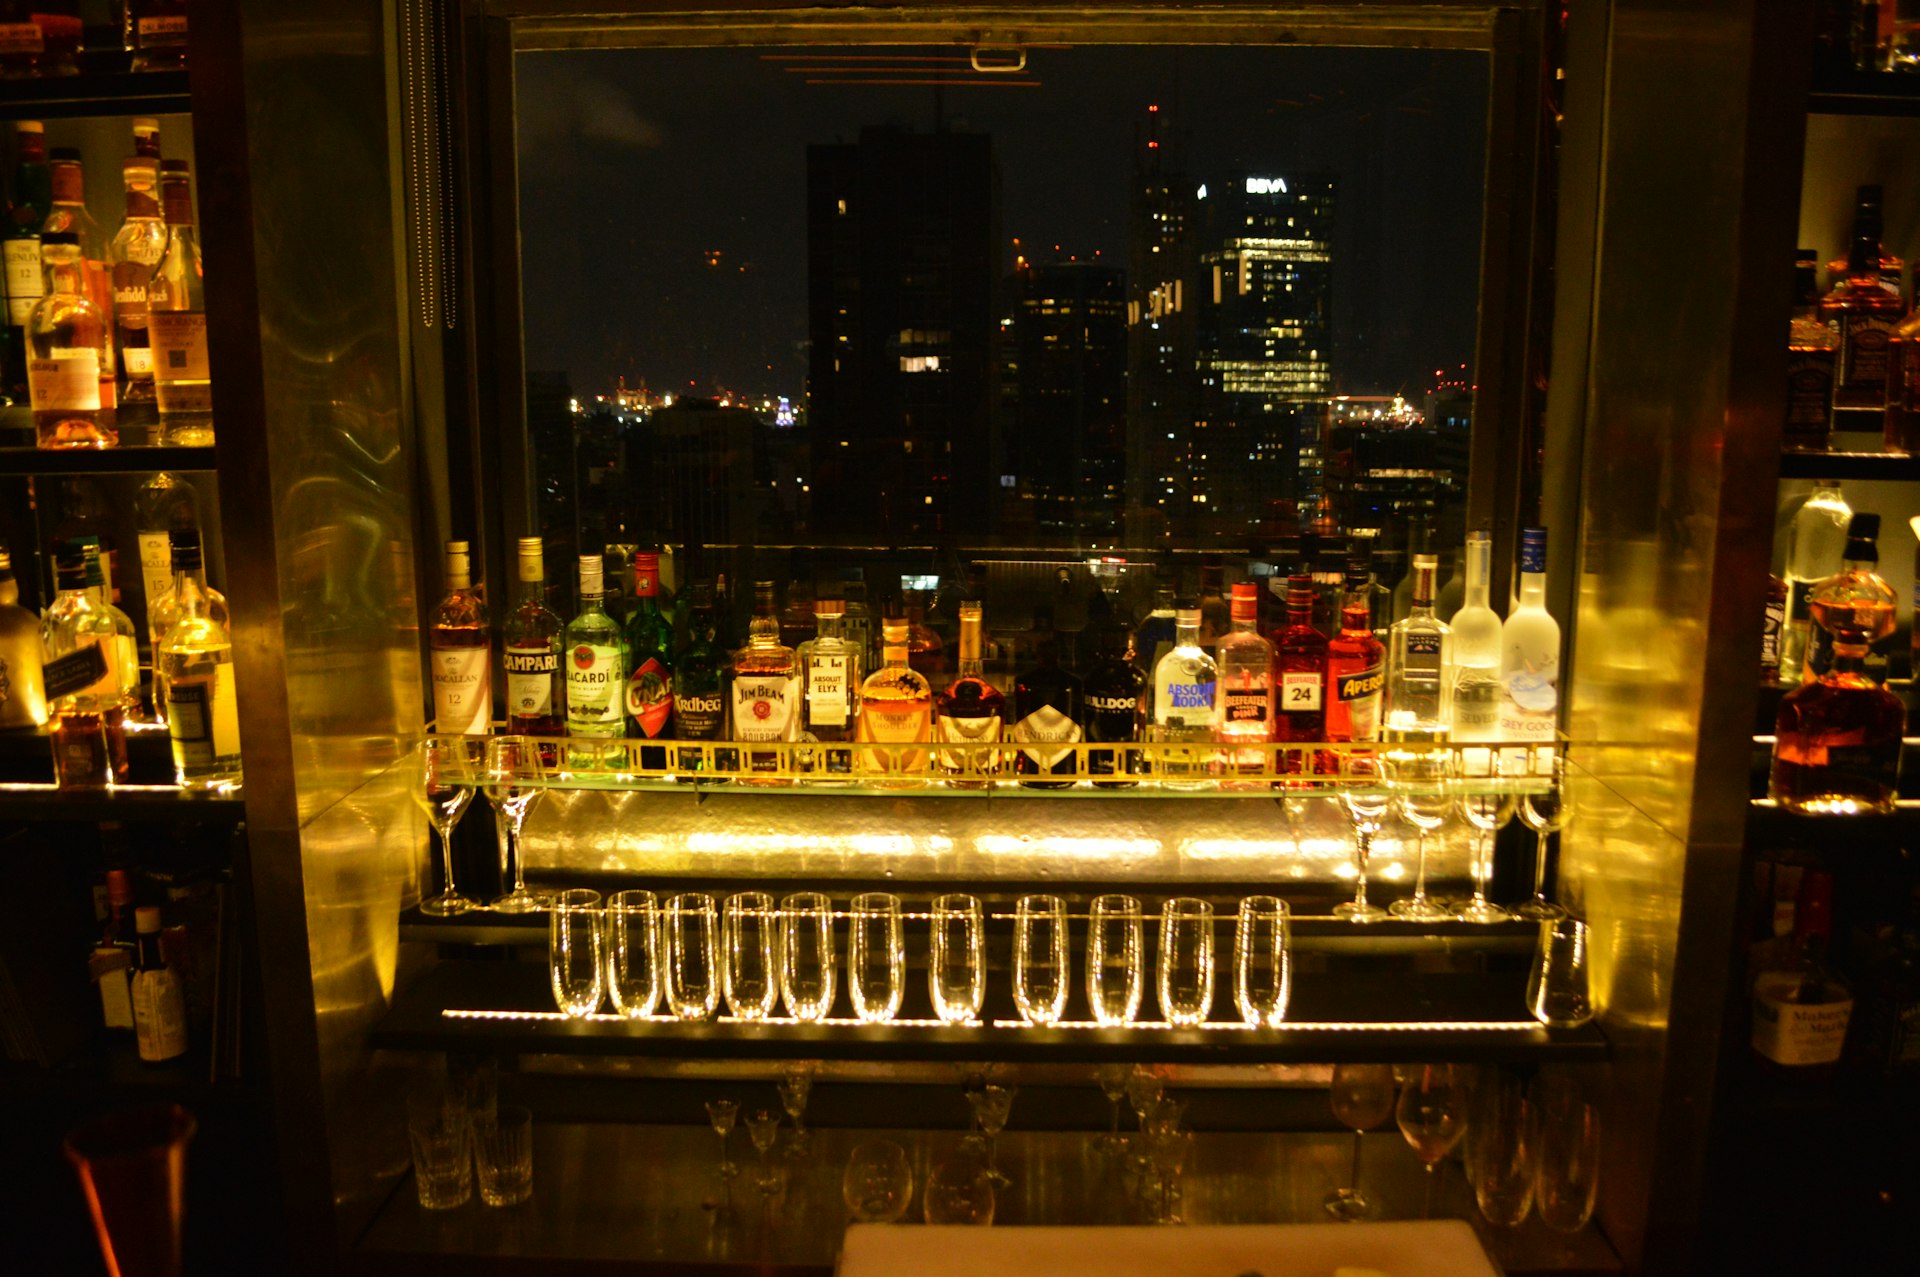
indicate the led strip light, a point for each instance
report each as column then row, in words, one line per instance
column 1311, row 1026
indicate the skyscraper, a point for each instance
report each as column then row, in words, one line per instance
column 902, row 263
column 1162, row 314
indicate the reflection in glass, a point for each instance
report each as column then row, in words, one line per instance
column 1568, row 1166
column 1362, row 1097
column 1423, row 790
column 1116, row 970
column 957, row 974
column 1432, row 1113
column 1186, row 961
column 960, row 1190
column 808, row 976
column 1488, row 813
column 1558, row 992
column 1262, row 963
column 631, row 938
column 1040, row 970
column 751, row 979
column 687, row 933
column 1545, row 812
column 1501, row 1146
column 573, row 952
column 876, row 956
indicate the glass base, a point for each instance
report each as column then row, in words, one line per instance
column 1482, row 911
column 1347, row 1204
column 521, row 901
column 1419, row 909
column 729, row 1170
column 1538, row 910
column 448, row 903
column 1354, row 911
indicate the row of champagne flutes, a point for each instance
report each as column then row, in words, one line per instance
column 690, row 952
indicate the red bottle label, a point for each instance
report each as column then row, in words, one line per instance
column 650, row 698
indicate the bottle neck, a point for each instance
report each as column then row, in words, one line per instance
column 190, row 590
column 1356, row 611
column 141, row 204
column 1185, row 635
column 1479, row 569
column 894, row 656
column 969, row 647
column 533, row 589
column 831, row 627
column 64, row 277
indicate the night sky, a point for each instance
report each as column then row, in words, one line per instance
column 636, row 166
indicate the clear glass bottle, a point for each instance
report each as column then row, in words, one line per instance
column 68, row 213
column 195, row 666
column 830, row 676
column 39, row 38
column 1530, row 652
column 896, row 708
column 1244, row 692
column 926, row 650
column 531, row 635
column 155, row 32
column 23, row 693
column 163, row 505
column 68, row 346
column 124, row 650
column 1046, row 712
column 858, row 615
column 595, row 655
column 460, row 647
column 649, row 693
column 970, row 711
column 1183, row 705
column 177, row 319
column 1419, row 693
column 32, row 196
column 1300, row 671
column 162, row 615
column 136, row 250
column 1476, row 649
column 89, row 725
column 1815, row 544
column 766, row 689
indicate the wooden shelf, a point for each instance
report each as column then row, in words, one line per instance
column 104, row 87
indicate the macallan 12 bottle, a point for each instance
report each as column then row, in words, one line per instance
column 969, row 712
column 650, row 652
column 896, row 708
column 530, row 640
column 462, row 654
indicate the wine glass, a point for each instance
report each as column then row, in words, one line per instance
column 878, row 1183
column 1545, row 812
column 1040, row 958
column 1186, row 961
column 721, row 1115
column 795, row 1087
column 957, row 973
column 1362, row 1097
column 808, row 976
column 960, row 1190
column 876, row 956
column 992, row 1106
column 1262, row 963
column 632, row 944
column 1423, row 791
column 1567, row 1168
column 1432, row 1114
column 686, row 932
column 1168, row 1147
column 573, row 952
column 1144, row 1093
column 751, row 982
column 1113, row 1085
column 1501, row 1148
column 1366, row 804
column 512, row 781
column 444, row 791
column 763, row 1127
column 1488, row 808
column 1115, row 978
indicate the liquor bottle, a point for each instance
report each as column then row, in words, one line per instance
column 163, row 505
column 68, row 213
column 39, row 38
column 530, row 643
column 1812, row 349
column 1837, row 736
column 89, row 723
column 1859, row 564
column 1243, row 695
column 1476, row 649
column 926, row 651
column 1300, row 669
column 1154, row 636
column 177, row 319
column 1419, row 689
column 1800, row 1016
column 858, row 616
column 461, row 647
column 1215, row 618
column 766, row 689
column 123, row 650
column 23, row 693
column 155, row 32
column 159, row 1001
column 1183, row 704
column 146, row 139
column 1864, row 310
column 649, row 693
column 1815, row 543
column 162, row 615
column 194, row 663
column 596, row 659
column 1773, row 624
column 1356, row 669
column 830, row 677
column 1530, row 652
column 69, row 343
column 699, row 686
column 896, row 708
column 797, row 617
column 1046, row 711
column 110, row 965
column 136, row 250
column 970, row 712
column 20, row 247
column 1113, row 710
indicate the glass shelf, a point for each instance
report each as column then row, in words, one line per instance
column 140, row 450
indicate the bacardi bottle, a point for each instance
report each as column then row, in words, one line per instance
column 1113, row 710
column 531, row 636
column 595, row 654
column 460, row 645
column 1244, row 693
column 194, row 666
column 830, row 677
column 650, row 644
column 1864, row 309
column 1300, row 661
column 970, row 711
column 896, row 709
column 1530, row 653
column 766, row 690
column 700, row 689
column 1184, row 706
column 1356, row 668
column 1046, row 712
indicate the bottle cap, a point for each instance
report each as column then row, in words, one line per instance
column 184, row 545
column 119, row 887
column 173, row 168
column 146, row 920
column 52, row 238
column 894, row 631
column 1864, row 527
column 591, row 573
column 969, row 612
column 531, row 545
column 1430, row 562
column 1806, row 257
column 1187, row 616
column 140, row 166
column 30, row 126
column 829, row 609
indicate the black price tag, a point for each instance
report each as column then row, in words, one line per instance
column 75, row 672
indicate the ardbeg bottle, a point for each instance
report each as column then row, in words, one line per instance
column 699, row 688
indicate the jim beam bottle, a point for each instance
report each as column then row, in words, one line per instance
column 766, row 690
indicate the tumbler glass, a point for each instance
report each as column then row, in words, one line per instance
column 687, row 927
column 752, row 982
column 1186, row 960
column 630, row 936
column 573, row 952
column 1262, row 963
column 1040, row 969
column 808, row 976
column 441, row 1135
column 957, row 975
column 1116, row 974
column 503, row 1150
column 1557, row 988
column 876, row 956
column 878, row 1183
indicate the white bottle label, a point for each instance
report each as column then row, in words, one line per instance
column 1530, row 697
column 21, row 37
column 26, row 285
column 763, row 706
column 1302, row 691
column 156, row 567
column 66, row 381
column 203, row 719
column 170, row 29
column 179, row 345
column 530, row 680
column 139, row 360
column 596, row 686
column 159, row 1014
column 1045, row 725
column 462, row 695
column 1795, row 1033
column 827, row 691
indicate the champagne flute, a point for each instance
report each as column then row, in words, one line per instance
column 1544, row 812
column 1362, row 1097
column 1366, row 804
column 1262, row 962
column 686, row 938
column 808, row 977
column 513, row 787
column 1432, row 1114
column 1113, row 1085
column 1186, row 961
column 751, row 980
column 1488, row 808
column 573, row 952
column 632, row 944
column 1501, row 1148
column 876, row 957
column 1040, row 958
column 1115, row 978
column 444, row 791
column 1424, row 793
column 957, row 974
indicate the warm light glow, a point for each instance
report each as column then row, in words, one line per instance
column 1096, row 848
column 1231, row 1026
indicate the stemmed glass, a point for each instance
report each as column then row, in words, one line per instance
column 764, row 1128
column 1186, row 961
column 876, row 956
column 1423, row 790
column 1433, row 1116
column 1113, row 1084
column 957, row 972
column 444, row 791
column 1115, row 978
column 1169, row 1149
column 1488, row 810
column 1362, row 1096
column 751, row 981
column 992, row 1105
column 1366, row 804
column 1144, row 1092
column 1501, row 1148
column 512, row 785
column 1040, row 958
column 1545, row 813
column 721, row 1114
column 808, row 976
column 795, row 1086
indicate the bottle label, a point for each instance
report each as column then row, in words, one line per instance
column 1422, row 653
column 161, row 32
column 1797, row 1033
column 138, row 360
column 594, row 685
column 1530, row 697
column 1244, row 705
column 894, row 726
column 1302, row 691
column 1772, row 621
column 1359, row 693
column 1863, row 361
column 1809, row 421
column 462, row 697
column 179, row 345
column 159, row 1014
column 1876, row 764
column 66, row 381
column 983, row 730
column 827, row 691
column 156, row 567
column 530, row 672
column 203, row 719
column 1045, row 726
column 130, row 294
column 1184, row 705
column 763, row 706
column 699, row 716
column 26, row 285
column 650, row 698
column 21, row 37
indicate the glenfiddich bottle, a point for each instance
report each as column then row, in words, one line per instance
column 460, row 648
column 699, row 688
column 530, row 639
column 1864, row 308
column 650, row 652
column 1046, row 712
column 1113, row 711
column 970, row 712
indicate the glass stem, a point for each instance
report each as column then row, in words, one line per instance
column 1363, row 847
column 1419, row 888
column 1482, row 856
column 517, row 870
column 1540, row 865
column 446, row 857
column 502, row 829
column 1353, row 1180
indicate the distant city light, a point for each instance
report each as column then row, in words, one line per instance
column 1202, row 192
column 783, row 416
column 1263, row 186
